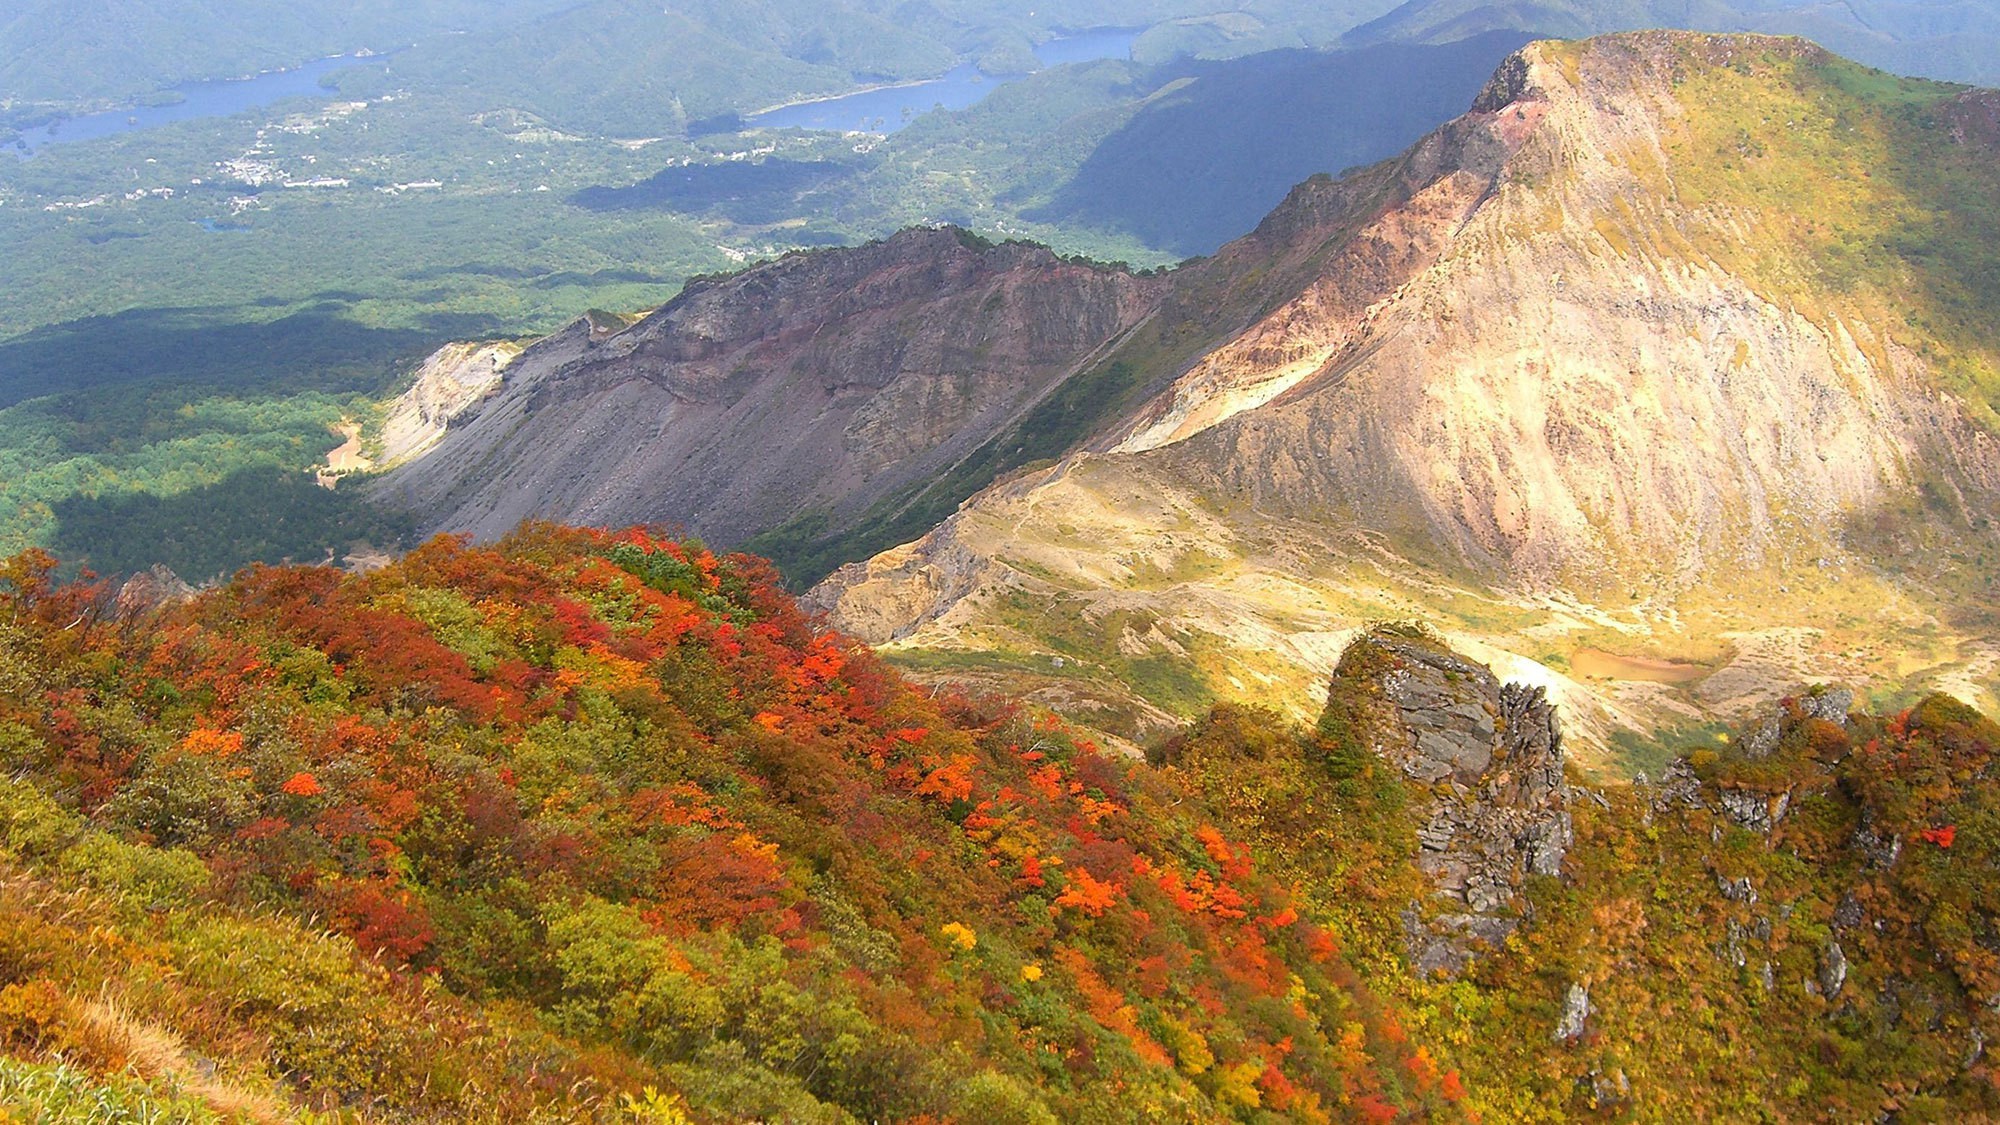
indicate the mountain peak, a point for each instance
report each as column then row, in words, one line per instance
column 1673, row 337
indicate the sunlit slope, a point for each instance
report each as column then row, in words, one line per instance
column 598, row 827
column 1676, row 346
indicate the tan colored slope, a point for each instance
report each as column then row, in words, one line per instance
column 450, row 382
column 1595, row 409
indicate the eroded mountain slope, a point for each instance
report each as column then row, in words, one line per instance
column 819, row 383
column 1675, row 346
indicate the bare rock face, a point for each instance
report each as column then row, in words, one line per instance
column 1576, row 1014
column 817, row 383
column 450, row 384
column 149, row 590
column 1755, row 811
column 1491, row 756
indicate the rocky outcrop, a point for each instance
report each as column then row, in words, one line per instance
column 1575, row 1014
column 149, row 590
column 1490, row 758
column 1754, row 810
column 1832, row 970
column 811, row 386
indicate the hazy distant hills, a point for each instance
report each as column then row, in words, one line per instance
column 80, row 50
column 595, row 63
column 630, row 67
column 1172, row 160
column 1956, row 40
column 635, row 68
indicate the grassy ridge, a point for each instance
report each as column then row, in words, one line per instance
column 1867, row 190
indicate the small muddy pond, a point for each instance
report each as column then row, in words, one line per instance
column 1595, row 664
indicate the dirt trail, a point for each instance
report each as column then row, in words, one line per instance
column 346, row 457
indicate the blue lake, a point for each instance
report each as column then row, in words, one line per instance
column 198, row 99
column 889, row 109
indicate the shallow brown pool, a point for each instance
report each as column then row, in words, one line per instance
column 1595, row 664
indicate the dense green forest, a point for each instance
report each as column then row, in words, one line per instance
column 74, row 467
column 259, row 515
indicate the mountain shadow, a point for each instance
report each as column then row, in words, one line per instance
column 255, row 515
column 316, row 348
column 1220, row 143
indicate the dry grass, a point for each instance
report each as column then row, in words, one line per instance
column 121, row 1040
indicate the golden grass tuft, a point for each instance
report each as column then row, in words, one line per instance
column 117, row 1040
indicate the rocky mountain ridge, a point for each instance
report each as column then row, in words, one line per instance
column 1488, row 759
column 1582, row 368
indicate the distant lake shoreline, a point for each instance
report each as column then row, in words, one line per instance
column 887, row 108
column 225, row 97
column 874, row 109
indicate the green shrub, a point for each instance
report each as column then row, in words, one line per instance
column 57, row 1094
column 33, row 825
column 996, row 1099
column 150, row 876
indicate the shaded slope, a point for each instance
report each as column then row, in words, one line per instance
column 1217, row 145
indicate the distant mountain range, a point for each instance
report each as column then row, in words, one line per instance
column 635, row 68
column 1947, row 39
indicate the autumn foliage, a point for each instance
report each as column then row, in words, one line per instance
column 601, row 827
column 625, row 791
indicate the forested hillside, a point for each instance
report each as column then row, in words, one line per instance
column 612, row 810
column 595, row 826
